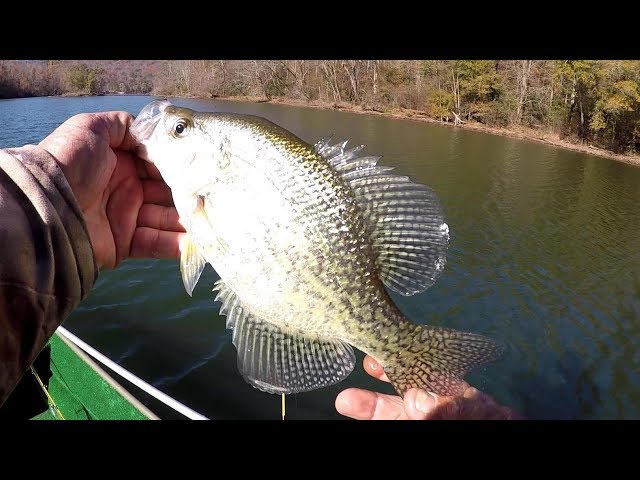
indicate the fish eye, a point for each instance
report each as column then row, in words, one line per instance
column 180, row 127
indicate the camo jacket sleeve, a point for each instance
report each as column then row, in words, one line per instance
column 46, row 259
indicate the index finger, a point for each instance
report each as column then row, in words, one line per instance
column 114, row 126
column 373, row 368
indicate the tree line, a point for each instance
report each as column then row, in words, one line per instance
column 586, row 101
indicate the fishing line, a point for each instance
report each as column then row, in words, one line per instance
column 284, row 404
column 49, row 397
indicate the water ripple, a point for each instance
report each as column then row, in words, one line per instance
column 544, row 256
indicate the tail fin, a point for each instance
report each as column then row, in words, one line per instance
column 437, row 360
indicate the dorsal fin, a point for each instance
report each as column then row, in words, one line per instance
column 406, row 221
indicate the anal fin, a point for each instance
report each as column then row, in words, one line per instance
column 278, row 359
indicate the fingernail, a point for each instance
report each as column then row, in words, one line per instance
column 471, row 392
column 425, row 401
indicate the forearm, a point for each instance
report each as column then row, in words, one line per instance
column 46, row 260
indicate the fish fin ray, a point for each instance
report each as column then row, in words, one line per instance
column 438, row 358
column 191, row 264
column 400, row 214
column 277, row 359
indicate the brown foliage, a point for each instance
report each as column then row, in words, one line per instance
column 595, row 101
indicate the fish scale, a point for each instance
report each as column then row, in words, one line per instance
column 305, row 239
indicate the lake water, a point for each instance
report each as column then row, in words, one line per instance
column 544, row 255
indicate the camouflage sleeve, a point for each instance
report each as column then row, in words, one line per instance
column 46, row 258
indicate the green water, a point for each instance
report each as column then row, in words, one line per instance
column 543, row 255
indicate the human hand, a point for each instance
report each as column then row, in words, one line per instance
column 126, row 205
column 418, row 404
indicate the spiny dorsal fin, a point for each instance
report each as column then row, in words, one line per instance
column 407, row 225
column 281, row 360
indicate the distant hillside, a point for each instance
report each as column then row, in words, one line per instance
column 588, row 102
column 128, row 76
column 23, row 78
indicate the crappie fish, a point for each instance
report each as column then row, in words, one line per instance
column 305, row 239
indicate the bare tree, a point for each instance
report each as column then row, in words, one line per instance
column 331, row 76
column 352, row 68
column 299, row 70
column 455, row 90
column 523, row 69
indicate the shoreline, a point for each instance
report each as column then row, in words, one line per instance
column 519, row 133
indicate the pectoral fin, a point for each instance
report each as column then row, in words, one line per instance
column 191, row 264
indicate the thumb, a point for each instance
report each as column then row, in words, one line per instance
column 419, row 404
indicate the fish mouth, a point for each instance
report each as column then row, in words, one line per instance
column 145, row 123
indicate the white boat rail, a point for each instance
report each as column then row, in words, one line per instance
column 126, row 374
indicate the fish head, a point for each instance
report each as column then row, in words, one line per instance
column 166, row 135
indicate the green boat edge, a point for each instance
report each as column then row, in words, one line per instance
column 82, row 390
